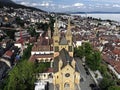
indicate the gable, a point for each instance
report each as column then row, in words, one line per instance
column 68, row 68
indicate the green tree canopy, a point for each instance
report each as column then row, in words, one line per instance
column 87, row 48
column 27, row 52
column 93, row 60
column 43, row 26
column 51, row 24
column 114, row 88
column 21, row 77
column 32, row 31
column 19, row 21
column 79, row 52
column 106, row 83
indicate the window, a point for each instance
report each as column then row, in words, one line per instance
column 70, row 48
column 56, row 48
column 67, row 74
column 44, row 75
column 56, row 41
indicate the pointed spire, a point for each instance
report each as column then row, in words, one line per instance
column 69, row 28
column 69, row 24
column 49, row 32
column 56, row 28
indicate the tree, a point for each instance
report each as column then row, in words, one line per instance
column 114, row 88
column 51, row 24
column 104, row 71
column 27, row 52
column 21, row 77
column 41, row 66
column 106, row 83
column 43, row 26
column 19, row 21
column 87, row 48
column 79, row 52
column 93, row 60
column 10, row 34
column 32, row 31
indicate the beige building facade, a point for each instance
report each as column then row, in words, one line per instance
column 65, row 76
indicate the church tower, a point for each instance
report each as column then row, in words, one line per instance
column 69, row 33
column 49, row 32
column 69, row 39
column 56, row 37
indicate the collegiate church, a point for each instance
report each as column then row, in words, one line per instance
column 65, row 76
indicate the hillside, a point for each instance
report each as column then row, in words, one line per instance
column 6, row 1
column 9, row 3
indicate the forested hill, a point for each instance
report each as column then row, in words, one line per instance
column 9, row 3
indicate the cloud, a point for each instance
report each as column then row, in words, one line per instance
column 34, row 4
column 116, row 5
column 25, row 3
column 64, row 6
column 45, row 4
column 78, row 4
column 72, row 5
column 107, row 5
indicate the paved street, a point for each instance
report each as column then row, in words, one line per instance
column 51, row 87
column 86, row 79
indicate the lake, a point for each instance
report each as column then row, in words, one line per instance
column 104, row 16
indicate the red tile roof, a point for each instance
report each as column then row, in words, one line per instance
column 116, row 51
column 8, row 53
column 113, row 63
column 32, row 58
column 49, row 70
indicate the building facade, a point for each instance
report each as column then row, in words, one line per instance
column 65, row 75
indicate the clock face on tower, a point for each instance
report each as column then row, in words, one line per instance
column 67, row 74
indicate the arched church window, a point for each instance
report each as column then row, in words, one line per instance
column 70, row 48
column 67, row 86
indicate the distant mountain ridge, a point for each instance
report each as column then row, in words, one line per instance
column 94, row 12
column 10, row 3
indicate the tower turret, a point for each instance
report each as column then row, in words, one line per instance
column 49, row 32
column 56, row 32
column 69, row 33
column 56, row 37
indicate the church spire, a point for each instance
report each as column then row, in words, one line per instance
column 69, row 28
column 56, row 32
column 49, row 32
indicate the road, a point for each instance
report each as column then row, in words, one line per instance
column 86, row 79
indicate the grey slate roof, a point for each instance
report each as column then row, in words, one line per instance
column 65, row 57
column 63, row 41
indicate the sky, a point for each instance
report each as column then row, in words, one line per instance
column 73, row 5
